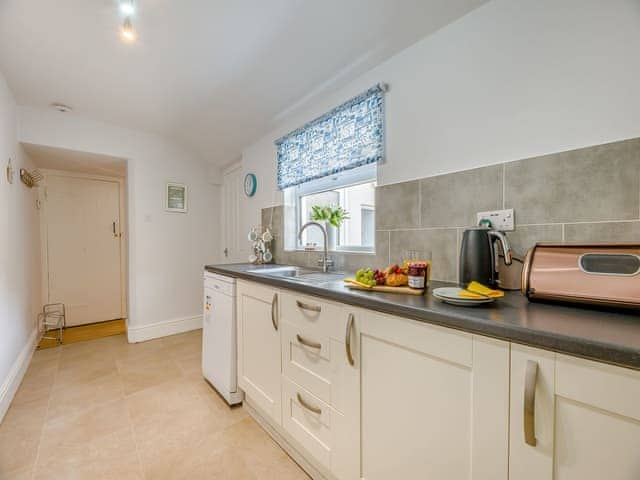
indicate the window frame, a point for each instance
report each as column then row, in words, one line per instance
column 349, row 178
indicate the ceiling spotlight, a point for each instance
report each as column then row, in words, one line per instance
column 61, row 107
column 126, row 7
column 128, row 33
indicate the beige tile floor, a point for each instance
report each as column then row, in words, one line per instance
column 105, row 409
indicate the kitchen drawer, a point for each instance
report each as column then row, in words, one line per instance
column 220, row 283
column 593, row 383
column 309, row 420
column 316, row 316
column 320, row 365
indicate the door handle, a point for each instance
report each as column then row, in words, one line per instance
column 114, row 230
column 347, row 340
column 226, row 252
column 274, row 311
column 301, row 401
column 308, row 343
column 530, row 379
column 306, row 306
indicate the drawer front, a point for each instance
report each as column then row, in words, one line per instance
column 594, row 383
column 309, row 360
column 314, row 315
column 439, row 342
column 219, row 283
column 308, row 420
column 257, row 290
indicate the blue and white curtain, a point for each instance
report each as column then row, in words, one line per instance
column 347, row 137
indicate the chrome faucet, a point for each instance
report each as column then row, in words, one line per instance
column 325, row 261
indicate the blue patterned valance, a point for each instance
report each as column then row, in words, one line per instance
column 348, row 136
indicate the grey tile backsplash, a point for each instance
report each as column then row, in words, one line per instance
column 453, row 199
column 586, row 195
column 440, row 242
column 590, row 184
column 398, row 205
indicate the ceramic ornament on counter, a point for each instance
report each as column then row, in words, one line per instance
column 260, row 238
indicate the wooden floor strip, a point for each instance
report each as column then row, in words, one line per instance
column 82, row 333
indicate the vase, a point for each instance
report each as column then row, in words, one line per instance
column 332, row 236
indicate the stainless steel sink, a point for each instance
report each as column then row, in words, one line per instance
column 299, row 274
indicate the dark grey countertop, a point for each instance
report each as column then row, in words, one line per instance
column 603, row 335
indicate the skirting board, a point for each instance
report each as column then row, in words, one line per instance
column 10, row 384
column 142, row 333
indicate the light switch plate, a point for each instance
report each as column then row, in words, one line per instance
column 503, row 220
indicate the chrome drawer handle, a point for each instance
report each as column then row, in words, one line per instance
column 306, row 306
column 308, row 343
column 347, row 340
column 530, row 378
column 311, row 408
column 274, row 308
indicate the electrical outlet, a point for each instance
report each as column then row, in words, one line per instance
column 503, row 220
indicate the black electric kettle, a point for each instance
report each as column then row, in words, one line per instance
column 479, row 256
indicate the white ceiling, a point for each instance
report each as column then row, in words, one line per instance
column 212, row 74
column 52, row 158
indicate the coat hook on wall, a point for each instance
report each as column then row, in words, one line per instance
column 30, row 179
column 9, row 171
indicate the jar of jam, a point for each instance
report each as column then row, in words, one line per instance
column 417, row 273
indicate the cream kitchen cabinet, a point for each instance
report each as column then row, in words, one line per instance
column 352, row 393
column 259, row 365
column 572, row 419
column 321, row 381
column 435, row 402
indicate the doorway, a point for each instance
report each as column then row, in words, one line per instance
column 83, row 246
column 231, row 198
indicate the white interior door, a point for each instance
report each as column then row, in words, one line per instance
column 84, row 248
column 232, row 190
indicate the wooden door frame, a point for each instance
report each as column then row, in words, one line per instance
column 124, row 223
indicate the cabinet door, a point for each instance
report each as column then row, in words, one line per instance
column 527, row 461
column 587, row 419
column 259, row 347
column 434, row 402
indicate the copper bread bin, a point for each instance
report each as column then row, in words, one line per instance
column 596, row 274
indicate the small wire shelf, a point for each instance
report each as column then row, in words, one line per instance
column 52, row 321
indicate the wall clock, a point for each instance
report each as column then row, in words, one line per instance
column 250, row 184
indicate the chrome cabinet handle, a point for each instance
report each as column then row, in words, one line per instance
column 311, row 408
column 306, row 306
column 308, row 343
column 274, row 308
column 530, row 379
column 347, row 340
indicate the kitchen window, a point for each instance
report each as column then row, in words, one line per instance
column 354, row 191
column 332, row 162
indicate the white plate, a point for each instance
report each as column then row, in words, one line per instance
column 450, row 295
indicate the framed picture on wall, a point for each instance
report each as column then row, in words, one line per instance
column 176, row 198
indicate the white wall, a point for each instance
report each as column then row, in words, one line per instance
column 167, row 251
column 511, row 80
column 19, row 257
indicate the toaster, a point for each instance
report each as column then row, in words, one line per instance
column 596, row 274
